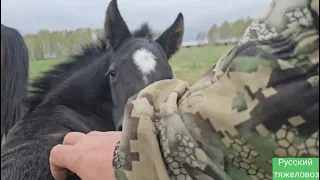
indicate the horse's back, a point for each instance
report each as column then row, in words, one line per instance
column 25, row 156
column 26, row 151
column 26, row 160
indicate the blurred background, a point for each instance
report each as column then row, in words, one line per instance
column 55, row 29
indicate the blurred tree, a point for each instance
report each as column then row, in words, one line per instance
column 213, row 34
column 54, row 44
column 201, row 37
column 225, row 30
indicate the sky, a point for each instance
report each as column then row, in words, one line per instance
column 29, row 16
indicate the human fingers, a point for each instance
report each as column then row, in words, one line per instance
column 58, row 173
column 62, row 159
column 95, row 133
column 108, row 133
column 110, row 137
column 72, row 138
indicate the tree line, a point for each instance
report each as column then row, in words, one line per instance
column 55, row 44
column 226, row 30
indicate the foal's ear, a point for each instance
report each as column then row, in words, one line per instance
column 115, row 29
column 171, row 39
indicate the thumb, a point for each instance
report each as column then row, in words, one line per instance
column 61, row 159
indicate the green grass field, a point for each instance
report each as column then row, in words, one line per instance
column 188, row 64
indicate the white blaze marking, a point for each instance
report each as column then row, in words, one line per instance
column 145, row 61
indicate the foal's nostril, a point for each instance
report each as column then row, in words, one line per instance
column 119, row 128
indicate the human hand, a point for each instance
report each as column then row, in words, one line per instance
column 88, row 155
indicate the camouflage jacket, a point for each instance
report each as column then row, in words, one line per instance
column 261, row 100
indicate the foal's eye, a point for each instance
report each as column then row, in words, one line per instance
column 112, row 74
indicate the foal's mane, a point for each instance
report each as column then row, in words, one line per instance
column 41, row 86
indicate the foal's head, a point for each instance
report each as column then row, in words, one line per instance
column 137, row 61
column 103, row 76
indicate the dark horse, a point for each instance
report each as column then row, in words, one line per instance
column 88, row 93
column 14, row 77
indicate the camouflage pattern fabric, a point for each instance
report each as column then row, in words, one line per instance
column 261, row 100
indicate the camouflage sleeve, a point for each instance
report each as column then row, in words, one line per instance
column 261, row 100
